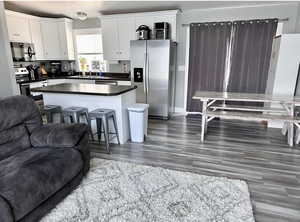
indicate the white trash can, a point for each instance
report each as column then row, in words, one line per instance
column 138, row 121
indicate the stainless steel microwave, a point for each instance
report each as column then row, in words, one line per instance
column 22, row 52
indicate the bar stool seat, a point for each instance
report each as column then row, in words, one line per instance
column 72, row 115
column 102, row 117
column 51, row 110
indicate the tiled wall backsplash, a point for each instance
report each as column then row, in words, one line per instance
column 121, row 66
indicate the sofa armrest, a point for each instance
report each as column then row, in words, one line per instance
column 58, row 135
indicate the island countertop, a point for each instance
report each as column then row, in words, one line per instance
column 86, row 89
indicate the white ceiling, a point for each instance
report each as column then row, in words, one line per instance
column 94, row 8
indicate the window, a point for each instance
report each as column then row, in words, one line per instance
column 90, row 52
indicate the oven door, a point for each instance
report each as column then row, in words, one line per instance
column 25, row 89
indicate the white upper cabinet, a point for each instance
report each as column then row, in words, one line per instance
column 18, row 29
column 110, row 39
column 36, row 38
column 116, row 35
column 51, row 40
column 126, row 32
column 119, row 29
column 65, row 30
column 57, row 39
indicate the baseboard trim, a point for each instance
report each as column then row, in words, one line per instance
column 179, row 110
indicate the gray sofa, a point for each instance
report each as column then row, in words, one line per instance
column 39, row 164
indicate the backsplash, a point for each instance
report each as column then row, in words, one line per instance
column 66, row 66
column 121, row 66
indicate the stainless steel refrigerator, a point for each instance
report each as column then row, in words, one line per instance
column 151, row 72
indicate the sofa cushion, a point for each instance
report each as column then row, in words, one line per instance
column 16, row 110
column 58, row 135
column 32, row 176
column 13, row 140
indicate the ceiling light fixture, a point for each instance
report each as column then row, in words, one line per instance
column 81, row 16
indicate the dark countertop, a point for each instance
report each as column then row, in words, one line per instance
column 86, row 89
column 116, row 78
column 105, row 76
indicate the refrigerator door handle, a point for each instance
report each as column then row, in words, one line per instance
column 148, row 73
column 144, row 72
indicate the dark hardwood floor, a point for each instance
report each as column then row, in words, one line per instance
column 234, row 149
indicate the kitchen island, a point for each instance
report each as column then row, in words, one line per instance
column 93, row 96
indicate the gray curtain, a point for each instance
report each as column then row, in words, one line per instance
column 251, row 51
column 209, row 44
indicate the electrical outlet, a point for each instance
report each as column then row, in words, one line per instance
column 181, row 68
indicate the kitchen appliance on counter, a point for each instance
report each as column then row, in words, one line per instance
column 67, row 68
column 161, row 30
column 22, row 52
column 34, row 72
column 55, row 68
column 143, row 32
column 150, row 71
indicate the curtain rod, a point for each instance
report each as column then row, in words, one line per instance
column 279, row 20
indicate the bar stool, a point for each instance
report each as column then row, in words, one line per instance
column 72, row 114
column 102, row 116
column 50, row 111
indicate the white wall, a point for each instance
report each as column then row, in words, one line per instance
column 288, row 10
column 298, row 19
column 8, row 84
column 89, row 23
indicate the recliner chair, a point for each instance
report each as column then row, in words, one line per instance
column 39, row 164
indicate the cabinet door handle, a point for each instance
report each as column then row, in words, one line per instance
column 16, row 34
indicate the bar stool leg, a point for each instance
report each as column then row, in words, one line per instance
column 67, row 118
column 61, row 117
column 297, row 136
column 88, row 121
column 99, row 128
column 60, row 113
column 106, row 133
column 73, row 118
column 116, row 127
column 49, row 117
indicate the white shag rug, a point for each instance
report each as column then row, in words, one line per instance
column 117, row 191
